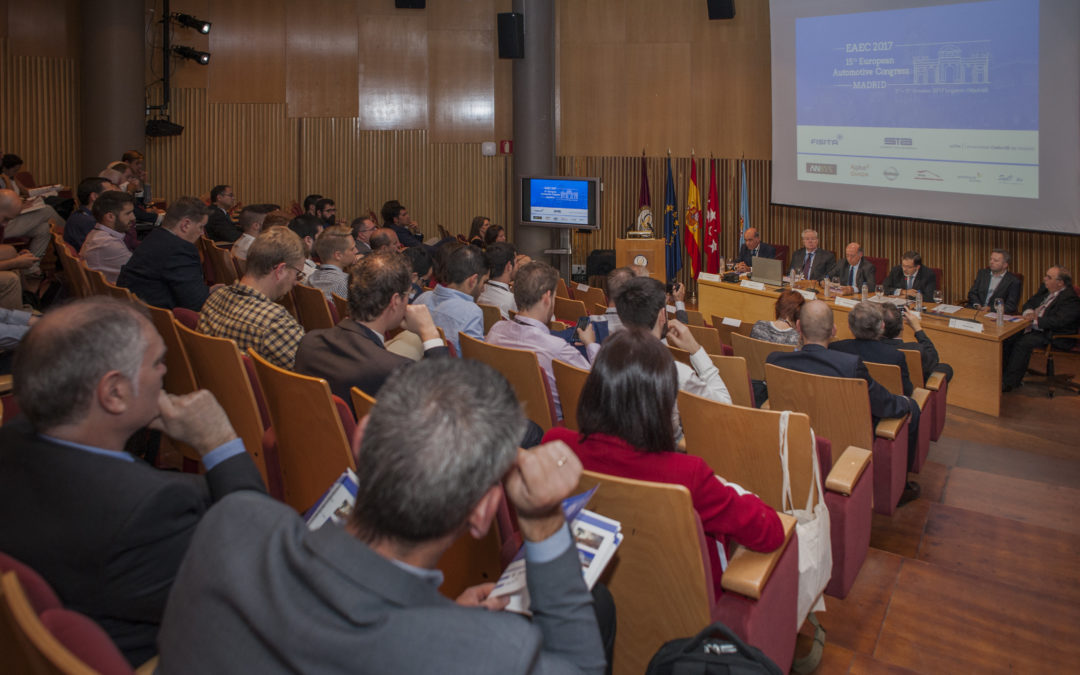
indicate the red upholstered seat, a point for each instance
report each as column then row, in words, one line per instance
column 38, row 591
column 86, row 640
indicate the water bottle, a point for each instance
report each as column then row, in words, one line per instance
column 999, row 309
column 864, row 290
column 918, row 301
column 827, row 285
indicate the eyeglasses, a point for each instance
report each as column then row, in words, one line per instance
column 299, row 272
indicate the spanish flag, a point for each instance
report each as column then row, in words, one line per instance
column 693, row 221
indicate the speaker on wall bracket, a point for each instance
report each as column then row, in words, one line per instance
column 410, row 4
column 511, row 35
column 721, row 9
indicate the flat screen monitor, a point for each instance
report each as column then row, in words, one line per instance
column 768, row 270
column 567, row 201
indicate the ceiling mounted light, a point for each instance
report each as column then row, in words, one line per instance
column 202, row 58
column 191, row 22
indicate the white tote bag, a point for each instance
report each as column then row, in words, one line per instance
column 812, row 527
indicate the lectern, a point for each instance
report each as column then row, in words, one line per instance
column 648, row 253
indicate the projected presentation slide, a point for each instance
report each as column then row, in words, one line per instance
column 932, row 98
column 559, row 201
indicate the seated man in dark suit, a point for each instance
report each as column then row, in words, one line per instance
column 107, row 530
column 815, row 325
column 855, row 270
column 893, row 324
column 261, row 593
column 353, row 353
column 220, row 226
column 165, row 270
column 910, row 277
column 867, row 325
column 811, row 261
column 81, row 221
column 1053, row 310
column 996, row 282
column 396, row 217
column 753, row 248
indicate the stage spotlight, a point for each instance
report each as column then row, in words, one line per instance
column 191, row 22
column 195, row 55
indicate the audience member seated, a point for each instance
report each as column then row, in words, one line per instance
column 329, row 599
column 353, row 353
column 494, row 233
column 479, row 226
column 534, row 293
column 816, row 328
column 385, row 237
column 220, row 226
column 867, row 324
column 247, row 313
column 12, row 263
column 624, row 415
column 80, row 222
column 336, row 249
column 13, row 326
column 810, row 261
column 894, row 326
column 251, row 223
column 996, row 282
column 1053, row 310
column 137, row 184
column 453, row 302
column 31, row 223
column 105, row 529
column 420, row 261
column 104, row 249
column 307, row 228
column 616, row 279
column 310, row 203
column 855, row 271
column 642, row 304
column 326, row 211
column 752, row 248
column 362, row 228
column 910, row 277
column 502, row 265
column 397, row 218
column 165, row 271
column 782, row 330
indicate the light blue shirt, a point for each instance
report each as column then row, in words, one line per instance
column 209, row 460
column 454, row 311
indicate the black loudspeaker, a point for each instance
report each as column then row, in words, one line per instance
column 511, row 35
column 409, row 4
column 721, row 9
column 159, row 128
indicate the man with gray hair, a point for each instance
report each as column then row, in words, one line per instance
column 107, row 530
column 811, row 261
column 867, row 324
column 362, row 597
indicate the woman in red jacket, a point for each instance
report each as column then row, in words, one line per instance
column 625, row 419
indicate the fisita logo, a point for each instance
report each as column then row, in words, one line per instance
column 827, row 141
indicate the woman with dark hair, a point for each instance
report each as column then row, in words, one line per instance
column 624, row 415
column 782, row 330
column 479, row 227
column 493, row 234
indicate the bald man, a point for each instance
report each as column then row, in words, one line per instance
column 854, row 270
column 752, row 248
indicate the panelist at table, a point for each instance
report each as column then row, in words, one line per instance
column 854, row 270
column 813, row 262
column 910, row 277
column 996, row 282
column 752, row 248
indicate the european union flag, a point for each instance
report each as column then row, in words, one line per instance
column 672, row 235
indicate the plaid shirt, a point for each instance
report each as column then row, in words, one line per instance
column 251, row 319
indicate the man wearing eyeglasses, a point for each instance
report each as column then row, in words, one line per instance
column 247, row 313
column 1053, row 310
column 363, row 227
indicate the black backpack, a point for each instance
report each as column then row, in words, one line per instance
column 715, row 650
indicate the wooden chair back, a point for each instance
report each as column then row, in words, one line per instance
column 839, row 407
column 748, row 451
column 114, row 291
column 78, row 284
column 313, row 309
column 362, row 402
column 569, row 380
column 569, row 310
column 887, row 375
column 469, row 562
column 755, row 352
column 725, row 330
column 914, row 366
column 204, row 245
column 521, row 368
column 179, row 375
column 599, row 309
column 492, row 315
column 95, row 279
column 659, row 576
column 733, row 372
column 708, row 338
column 695, row 318
column 312, row 447
column 289, row 304
column 225, row 271
column 341, row 305
column 561, row 290
column 592, row 296
column 28, row 645
column 218, row 367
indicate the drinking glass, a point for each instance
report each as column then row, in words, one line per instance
column 938, row 297
column 880, row 290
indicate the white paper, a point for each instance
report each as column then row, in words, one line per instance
column 966, row 325
column 947, row 309
column 845, row 302
column 705, row 276
column 583, row 288
column 734, row 323
column 671, row 309
column 808, row 295
column 755, row 285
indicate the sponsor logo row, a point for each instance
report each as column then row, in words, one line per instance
column 891, row 173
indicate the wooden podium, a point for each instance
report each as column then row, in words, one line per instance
column 647, row 252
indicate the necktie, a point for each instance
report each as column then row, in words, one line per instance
column 852, row 284
column 807, row 265
column 909, row 281
column 753, row 253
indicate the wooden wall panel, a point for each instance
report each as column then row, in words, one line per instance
column 472, row 15
column 39, row 114
column 461, row 85
column 247, row 41
column 393, row 71
column 44, row 28
column 322, row 75
column 592, row 22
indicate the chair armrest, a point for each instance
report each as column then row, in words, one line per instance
column 149, row 667
column 921, row 396
column 5, row 384
column 749, row 571
column 766, row 406
column 889, row 427
column 847, row 470
column 933, row 383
